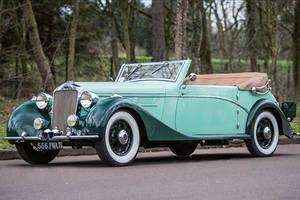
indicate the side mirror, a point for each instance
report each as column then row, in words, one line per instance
column 110, row 78
column 192, row 77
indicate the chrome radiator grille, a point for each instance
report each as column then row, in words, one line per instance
column 64, row 104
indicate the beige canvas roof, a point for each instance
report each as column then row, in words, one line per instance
column 244, row 81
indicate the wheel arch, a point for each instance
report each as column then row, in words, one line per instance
column 264, row 104
column 97, row 119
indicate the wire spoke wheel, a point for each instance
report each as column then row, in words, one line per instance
column 120, row 137
column 264, row 135
column 121, row 140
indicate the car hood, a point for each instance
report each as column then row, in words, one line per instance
column 122, row 88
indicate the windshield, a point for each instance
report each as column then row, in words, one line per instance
column 148, row 71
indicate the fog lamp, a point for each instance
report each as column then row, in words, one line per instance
column 72, row 120
column 38, row 123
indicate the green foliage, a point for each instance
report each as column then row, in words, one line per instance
column 296, row 123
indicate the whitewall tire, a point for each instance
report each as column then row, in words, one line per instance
column 121, row 140
column 264, row 135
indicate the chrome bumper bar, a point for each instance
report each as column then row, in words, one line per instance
column 54, row 138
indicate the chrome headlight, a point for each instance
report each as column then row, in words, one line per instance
column 72, row 120
column 86, row 99
column 42, row 100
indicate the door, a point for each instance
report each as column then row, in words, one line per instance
column 207, row 110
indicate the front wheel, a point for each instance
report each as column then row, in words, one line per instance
column 264, row 135
column 121, row 140
column 30, row 154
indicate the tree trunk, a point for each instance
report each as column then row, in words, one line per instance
column 38, row 52
column 168, row 31
column 296, row 50
column 1, row 7
column 127, row 12
column 205, row 55
column 196, row 26
column 72, row 40
column 158, row 32
column 114, row 41
column 251, row 33
column 180, row 29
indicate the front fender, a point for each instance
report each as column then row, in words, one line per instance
column 156, row 130
column 264, row 104
column 22, row 120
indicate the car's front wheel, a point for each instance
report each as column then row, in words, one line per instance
column 121, row 140
column 264, row 135
column 183, row 149
column 30, row 154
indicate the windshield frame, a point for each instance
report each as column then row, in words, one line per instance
column 151, row 63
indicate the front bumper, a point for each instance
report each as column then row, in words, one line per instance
column 48, row 136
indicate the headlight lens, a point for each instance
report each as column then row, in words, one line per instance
column 38, row 123
column 42, row 101
column 86, row 99
column 72, row 120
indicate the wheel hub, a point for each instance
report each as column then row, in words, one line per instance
column 267, row 133
column 123, row 137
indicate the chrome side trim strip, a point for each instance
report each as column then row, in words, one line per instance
column 149, row 105
column 220, row 137
column 185, row 96
column 220, row 98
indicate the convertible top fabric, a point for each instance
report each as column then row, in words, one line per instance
column 244, row 81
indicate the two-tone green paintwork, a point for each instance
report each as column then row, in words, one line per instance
column 168, row 110
column 21, row 120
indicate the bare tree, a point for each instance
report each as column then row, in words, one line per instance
column 196, row 35
column 296, row 50
column 39, row 55
column 180, row 29
column 72, row 39
column 158, row 33
column 128, row 15
column 205, row 55
column 229, row 30
column 168, row 22
column 251, row 33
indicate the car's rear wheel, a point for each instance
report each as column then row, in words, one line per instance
column 121, row 140
column 183, row 149
column 30, row 154
column 264, row 135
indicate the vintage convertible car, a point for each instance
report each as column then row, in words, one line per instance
column 151, row 105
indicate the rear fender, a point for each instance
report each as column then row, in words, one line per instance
column 264, row 104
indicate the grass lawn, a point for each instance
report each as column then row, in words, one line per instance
column 4, row 144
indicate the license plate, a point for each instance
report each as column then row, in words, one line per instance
column 49, row 146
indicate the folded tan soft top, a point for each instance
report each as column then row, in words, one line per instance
column 244, row 81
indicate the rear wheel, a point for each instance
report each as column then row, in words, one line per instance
column 121, row 140
column 183, row 149
column 30, row 154
column 264, row 135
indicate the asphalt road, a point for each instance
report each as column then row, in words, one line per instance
column 208, row 174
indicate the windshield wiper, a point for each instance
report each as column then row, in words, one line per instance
column 135, row 69
column 162, row 66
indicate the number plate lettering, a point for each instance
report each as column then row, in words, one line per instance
column 49, row 146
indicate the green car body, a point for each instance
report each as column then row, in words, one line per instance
column 166, row 111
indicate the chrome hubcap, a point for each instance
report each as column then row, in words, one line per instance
column 123, row 137
column 267, row 133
